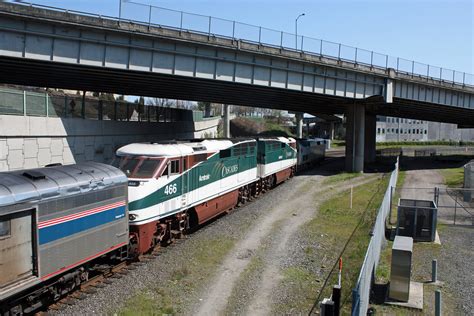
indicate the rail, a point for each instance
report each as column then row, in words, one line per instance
column 155, row 16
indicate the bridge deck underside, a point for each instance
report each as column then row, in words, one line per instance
column 69, row 76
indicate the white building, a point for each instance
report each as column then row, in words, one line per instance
column 393, row 129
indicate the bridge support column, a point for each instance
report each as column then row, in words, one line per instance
column 226, row 120
column 370, row 137
column 355, row 137
column 299, row 125
column 331, row 131
column 207, row 110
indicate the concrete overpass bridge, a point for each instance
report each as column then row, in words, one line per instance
column 62, row 49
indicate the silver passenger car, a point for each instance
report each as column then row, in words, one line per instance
column 55, row 220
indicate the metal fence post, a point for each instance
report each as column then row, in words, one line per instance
column 441, row 73
column 455, row 208
column 438, row 304
column 47, row 104
column 65, row 106
column 398, row 62
column 281, row 39
column 83, row 105
column 386, row 61
column 24, row 103
column 181, row 22
column 101, row 110
column 463, row 77
column 412, row 68
column 209, row 31
column 339, row 52
column 371, row 58
column 302, row 38
column 149, row 18
column 233, row 29
column 434, row 271
column 321, row 48
column 428, row 72
column 355, row 56
column 260, row 35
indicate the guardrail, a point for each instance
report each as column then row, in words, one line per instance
column 150, row 15
column 32, row 103
column 361, row 292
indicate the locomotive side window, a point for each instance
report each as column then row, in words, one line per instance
column 5, row 227
column 224, row 153
column 174, row 166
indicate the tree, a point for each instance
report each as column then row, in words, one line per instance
column 160, row 102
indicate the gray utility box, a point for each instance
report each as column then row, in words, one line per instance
column 400, row 271
column 469, row 182
column 417, row 219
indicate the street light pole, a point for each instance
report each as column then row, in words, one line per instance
column 296, row 30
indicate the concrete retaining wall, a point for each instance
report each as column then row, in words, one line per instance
column 30, row 142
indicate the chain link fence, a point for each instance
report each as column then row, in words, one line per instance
column 455, row 205
column 361, row 292
column 43, row 104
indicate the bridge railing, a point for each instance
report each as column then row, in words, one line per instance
column 55, row 104
column 150, row 15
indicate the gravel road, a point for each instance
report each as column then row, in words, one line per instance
column 238, row 226
column 456, row 267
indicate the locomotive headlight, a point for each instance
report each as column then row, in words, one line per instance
column 132, row 217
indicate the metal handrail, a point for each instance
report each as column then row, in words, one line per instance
column 400, row 65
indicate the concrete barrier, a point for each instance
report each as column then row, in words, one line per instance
column 30, row 142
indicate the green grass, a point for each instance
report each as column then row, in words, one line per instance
column 338, row 143
column 330, row 229
column 396, row 196
column 343, row 176
column 169, row 294
column 453, row 177
column 428, row 143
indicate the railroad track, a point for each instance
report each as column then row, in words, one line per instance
column 105, row 278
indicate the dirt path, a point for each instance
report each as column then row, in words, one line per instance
column 421, row 184
column 298, row 208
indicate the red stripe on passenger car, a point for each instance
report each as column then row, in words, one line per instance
column 82, row 261
column 79, row 215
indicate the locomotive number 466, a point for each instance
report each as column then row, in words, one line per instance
column 171, row 189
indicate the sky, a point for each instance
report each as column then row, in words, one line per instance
column 435, row 32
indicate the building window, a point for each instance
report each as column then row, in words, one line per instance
column 426, row 131
column 5, row 227
column 378, row 130
column 383, row 130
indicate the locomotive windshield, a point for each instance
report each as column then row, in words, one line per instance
column 137, row 167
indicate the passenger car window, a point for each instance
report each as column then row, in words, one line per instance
column 4, row 228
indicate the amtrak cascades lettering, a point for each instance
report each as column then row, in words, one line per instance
column 226, row 170
column 204, row 177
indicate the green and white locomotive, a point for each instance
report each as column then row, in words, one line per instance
column 174, row 186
